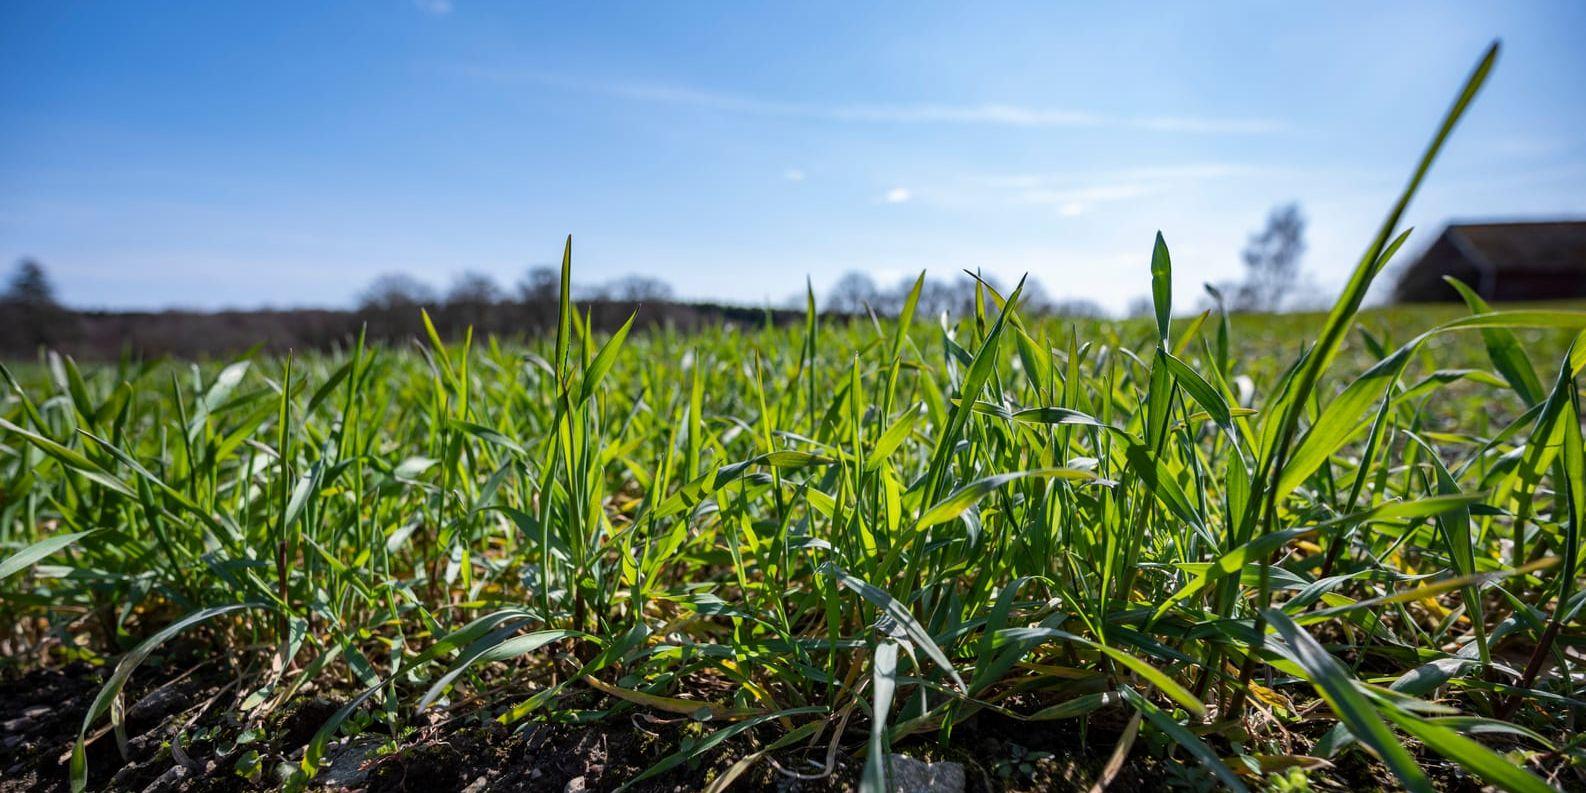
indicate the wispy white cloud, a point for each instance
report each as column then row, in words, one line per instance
column 982, row 113
column 1091, row 194
column 897, row 195
column 793, row 175
column 1210, row 126
column 1076, row 194
column 994, row 114
column 1527, row 146
column 1178, row 172
column 436, row 7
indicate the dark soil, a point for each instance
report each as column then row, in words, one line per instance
column 39, row 716
column 41, row 711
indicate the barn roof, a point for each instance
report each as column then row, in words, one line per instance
column 1514, row 247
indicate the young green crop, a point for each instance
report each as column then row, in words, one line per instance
column 1265, row 552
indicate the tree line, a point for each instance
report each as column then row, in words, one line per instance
column 1272, row 277
column 389, row 309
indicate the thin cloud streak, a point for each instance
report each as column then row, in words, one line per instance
column 1077, row 193
column 984, row 114
column 1153, row 173
column 435, row 7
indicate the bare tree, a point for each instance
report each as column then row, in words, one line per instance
column 1272, row 261
column 471, row 300
column 639, row 289
column 396, row 291
column 541, row 284
column 1078, row 308
column 473, row 289
column 853, row 293
column 1034, row 300
column 389, row 308
column 962, row 294
column 935, row 297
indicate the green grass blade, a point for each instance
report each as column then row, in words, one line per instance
column 967, row 496
column 1155, row 677
column 1191, row 743
column 27, row 557
column 980, row 370
column 1209, row 398
column 1162, row 288
column 883, row 682
column 1472, row 756
column 1351, row 707
column 603, row 361
column 498, row 645
column 123, row 672
column 1455, row 529
column 1503, row 349
column 714, row 739
column 900, row 613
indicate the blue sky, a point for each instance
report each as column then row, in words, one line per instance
column 231, row 154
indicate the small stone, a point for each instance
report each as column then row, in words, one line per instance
column 477, row 786
column 160, row 702
column 575, row 785
column 346, row 768
column 121, row 780
column 169, row 780
column 917, row 776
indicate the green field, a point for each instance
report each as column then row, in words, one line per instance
column 1255, row 552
